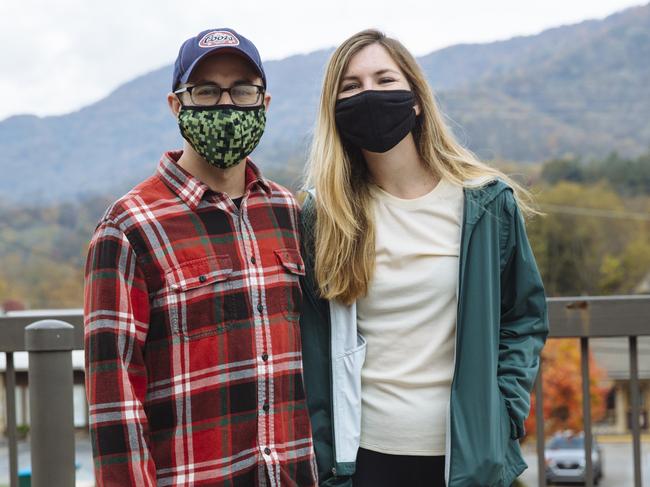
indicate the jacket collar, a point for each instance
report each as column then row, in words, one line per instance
column 479, row 193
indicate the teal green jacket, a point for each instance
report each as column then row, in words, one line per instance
column 501, row 328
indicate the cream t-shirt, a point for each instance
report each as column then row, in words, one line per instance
column 409, row 321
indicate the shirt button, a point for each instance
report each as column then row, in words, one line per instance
column 202, row 278
column 260, row 307
column 267, row 451
column 265, row 356
column 253, row 260
column 266, row 407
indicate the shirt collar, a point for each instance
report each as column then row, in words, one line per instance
column 254, row 176
column 192, row 190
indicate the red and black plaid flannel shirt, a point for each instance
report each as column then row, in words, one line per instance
column 193, row 362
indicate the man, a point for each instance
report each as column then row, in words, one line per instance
column 192, row 299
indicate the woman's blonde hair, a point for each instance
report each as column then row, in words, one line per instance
column 345, row 232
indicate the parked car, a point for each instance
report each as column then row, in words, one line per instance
column 565, row 459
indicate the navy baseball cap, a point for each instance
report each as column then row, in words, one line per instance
column 208, row 42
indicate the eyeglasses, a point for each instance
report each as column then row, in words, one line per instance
column 209, row 94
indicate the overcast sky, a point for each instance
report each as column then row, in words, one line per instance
column 58, row 56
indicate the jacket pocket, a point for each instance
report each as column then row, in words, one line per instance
column 292, row 268
column 513, row 462
column 347, row 401
column 199, row 297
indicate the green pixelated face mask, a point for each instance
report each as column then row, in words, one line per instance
column 224, row 134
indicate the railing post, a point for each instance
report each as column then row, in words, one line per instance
column 539, row 423
column 50, row 344
column 10, row 386
column 586, row 410
column 635, row 409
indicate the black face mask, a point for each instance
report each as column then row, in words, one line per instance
column 376, row 120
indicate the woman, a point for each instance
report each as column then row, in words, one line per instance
column 424, row 313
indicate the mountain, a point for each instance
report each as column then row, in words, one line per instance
column 581, row 89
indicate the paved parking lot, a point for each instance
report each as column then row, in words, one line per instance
column 617, row 465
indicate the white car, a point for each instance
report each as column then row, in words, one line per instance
column 565, row 459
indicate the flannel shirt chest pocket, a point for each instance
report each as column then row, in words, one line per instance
column 291, row 268
column 200, row 297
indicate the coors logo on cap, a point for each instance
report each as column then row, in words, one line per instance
column 218, row 38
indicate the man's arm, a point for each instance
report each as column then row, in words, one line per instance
column 116, row 320
column 524, row 322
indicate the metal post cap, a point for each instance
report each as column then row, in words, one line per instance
column 49, row 335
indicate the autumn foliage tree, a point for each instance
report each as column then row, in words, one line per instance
column 591, row 240
column 12, row 305
column 562, row 388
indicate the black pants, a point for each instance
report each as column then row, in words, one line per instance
column 382, row 470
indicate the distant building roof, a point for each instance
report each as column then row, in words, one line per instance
column 612, row 355
column 21, row 362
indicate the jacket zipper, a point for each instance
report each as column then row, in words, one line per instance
column 461, row 272
column 461, row 256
